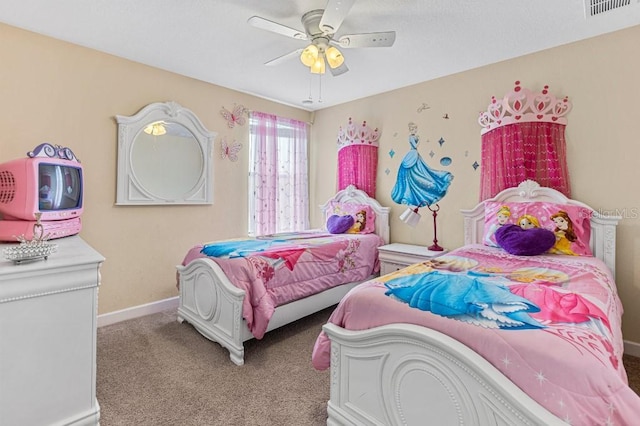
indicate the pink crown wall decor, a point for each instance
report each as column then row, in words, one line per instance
column 353, row 135
column 522, row 105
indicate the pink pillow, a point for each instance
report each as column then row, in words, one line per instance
column 570, row 224
column 363, row 216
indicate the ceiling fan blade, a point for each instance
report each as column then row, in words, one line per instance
column 334, row 14
column 383, row 39
column 283, row 58
column 274, row 27
column 339, row 70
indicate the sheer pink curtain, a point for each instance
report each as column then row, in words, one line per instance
column 358, row 157
column 278, row 175
column 358, row 165
column 516, row 152
column 523, row 138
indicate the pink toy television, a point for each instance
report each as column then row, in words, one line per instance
column 48, row 181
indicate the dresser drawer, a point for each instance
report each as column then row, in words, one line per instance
column 388, row 267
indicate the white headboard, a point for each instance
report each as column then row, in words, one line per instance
column 351, row 194
column 603, row 227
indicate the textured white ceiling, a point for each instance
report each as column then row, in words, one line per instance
column 210, row 40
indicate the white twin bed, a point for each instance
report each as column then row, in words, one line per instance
column 402, row 372
column 213, row 304
column 405, row 366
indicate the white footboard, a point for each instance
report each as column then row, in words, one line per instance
column 402, row 374
column 213, row 305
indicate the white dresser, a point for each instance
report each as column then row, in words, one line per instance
column 48, row 316
column 397, row 256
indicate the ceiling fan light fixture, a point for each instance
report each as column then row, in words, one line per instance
column 323, row 49
column 309, row 55
column 318, row 67
column 334, row 57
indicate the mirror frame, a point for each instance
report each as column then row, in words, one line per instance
column 129, row 190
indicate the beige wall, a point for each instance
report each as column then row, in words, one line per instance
column 599, row 75
column 68, row 95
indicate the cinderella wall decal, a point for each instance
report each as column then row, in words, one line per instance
column 417, row 184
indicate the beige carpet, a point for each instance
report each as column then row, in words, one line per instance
column 155, row 371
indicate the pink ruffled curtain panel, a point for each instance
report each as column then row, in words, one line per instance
column 278, row 175
column 358, row 157
column 517, row 152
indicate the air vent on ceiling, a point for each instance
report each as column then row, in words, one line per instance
column 598, row 7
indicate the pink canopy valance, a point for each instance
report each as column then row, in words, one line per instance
column 523, row 138
column 358, row 157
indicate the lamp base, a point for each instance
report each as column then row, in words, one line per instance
column 435, row 247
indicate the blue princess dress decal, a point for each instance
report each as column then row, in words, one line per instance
column 417, row 184
column 469, row 297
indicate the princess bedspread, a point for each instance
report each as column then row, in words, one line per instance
column 278, row 270
column 551, row 324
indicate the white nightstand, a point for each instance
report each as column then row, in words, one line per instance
column 397, row 256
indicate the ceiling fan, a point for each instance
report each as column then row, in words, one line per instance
column 320, row 28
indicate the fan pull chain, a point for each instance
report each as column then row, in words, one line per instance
column 319, row 88
column 309, row 100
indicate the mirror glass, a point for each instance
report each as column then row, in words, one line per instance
column 155, row 154
column 163, row 157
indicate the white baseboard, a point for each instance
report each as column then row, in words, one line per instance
column 632, row 348
column 137, row 311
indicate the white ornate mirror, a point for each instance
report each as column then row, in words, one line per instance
column 164, row 157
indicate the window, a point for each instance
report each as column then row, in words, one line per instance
column 278, row 175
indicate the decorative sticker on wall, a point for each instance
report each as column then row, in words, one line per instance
column 423, row 107
column 445, row 161
column 234, row 117
column 417, row 184
column 230, row 151
column 444, row 157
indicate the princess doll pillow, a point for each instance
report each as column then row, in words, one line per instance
column 570, row 224
column 364, row 218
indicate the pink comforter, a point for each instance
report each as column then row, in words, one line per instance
column 563, row 348
column 285, row 268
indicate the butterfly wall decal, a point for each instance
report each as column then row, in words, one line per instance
column 234, row 117
column 230, row 151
